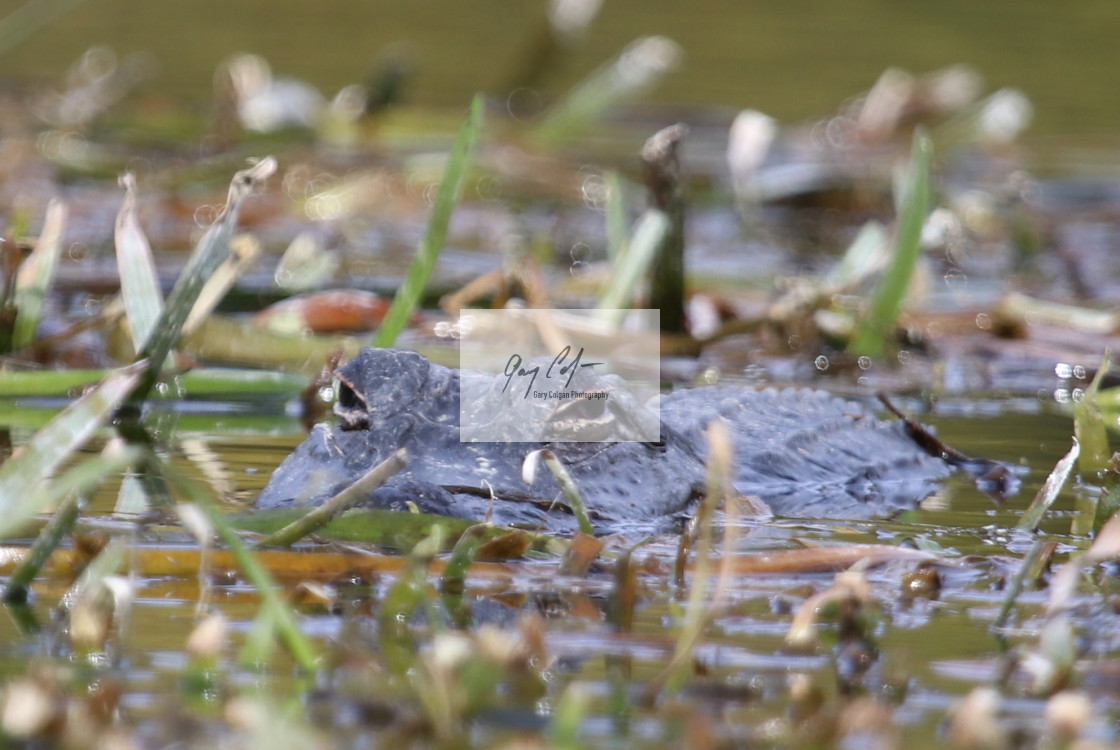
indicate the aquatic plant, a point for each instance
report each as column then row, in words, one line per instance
column 875, row 328
column 407, row 297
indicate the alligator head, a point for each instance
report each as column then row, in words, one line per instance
column 391, row 399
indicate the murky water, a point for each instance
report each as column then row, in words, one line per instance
column 933, row 650
column 788, row 59
column 930, row 651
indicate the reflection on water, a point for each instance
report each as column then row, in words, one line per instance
column 793, row 60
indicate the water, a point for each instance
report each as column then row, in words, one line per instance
column 925, row 654
column 794, row 60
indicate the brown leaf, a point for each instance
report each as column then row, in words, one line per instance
column 581, row 553
column 819, row 559
column 180, row 562
column 509, row 546
column 334, row 311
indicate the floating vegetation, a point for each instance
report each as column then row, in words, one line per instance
column 146, row 606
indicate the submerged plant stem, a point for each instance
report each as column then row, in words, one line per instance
column 698, row 607
column 663, row 169
column 320, row 516
column 1017, row 583
column 298, row 644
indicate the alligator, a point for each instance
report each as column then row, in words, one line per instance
column 805, row 453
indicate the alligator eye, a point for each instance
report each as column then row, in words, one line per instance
column 351, row 407
column 658, row 446
column 349, row 399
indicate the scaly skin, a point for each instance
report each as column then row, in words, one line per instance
column 804, row 452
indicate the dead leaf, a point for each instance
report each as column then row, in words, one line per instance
column 820, row 559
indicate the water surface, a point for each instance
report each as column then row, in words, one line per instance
column 795, row 60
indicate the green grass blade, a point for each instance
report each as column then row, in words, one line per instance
column 1089, row 425
column 53, row 444
column 1091, row 435
column 87, row 475
column 245, row 344
column 260, row 641
column 407, row 594
column 408, row 297
column 863, row 257
column 143, row 301
column 636, row 70
column 244, row 253
column 208, row 255
column 207, row 382
column 567, row 485
column 47, row 383
column 463, row 555
column 699, row 603
column 565, row 730
column 1011, row 595
column 227, row 381
column 641, row 251
column 18, row 415
column 616, row 215
column 36, row 274
column 1049, row 490
column 877, row 324
column 16, row 590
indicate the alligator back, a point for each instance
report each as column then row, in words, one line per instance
column 809, row 453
